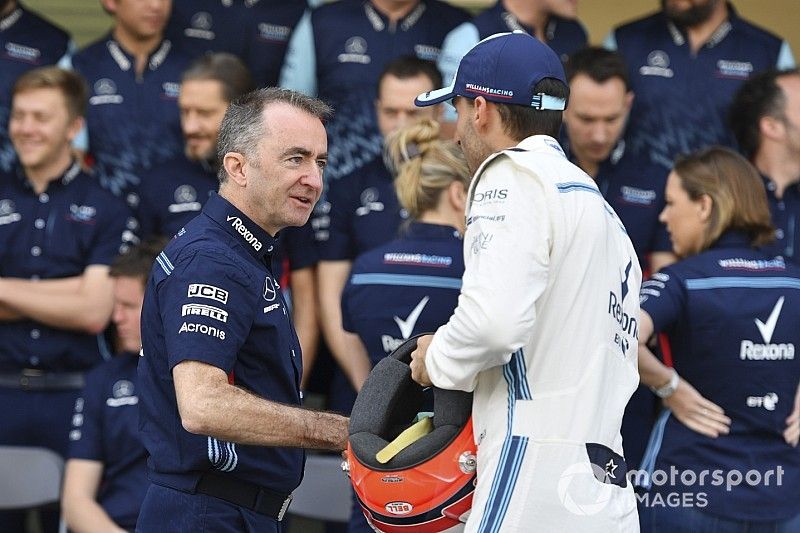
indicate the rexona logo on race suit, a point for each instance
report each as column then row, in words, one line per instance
column 628, row 323
column 247, row 235
column 769, row 351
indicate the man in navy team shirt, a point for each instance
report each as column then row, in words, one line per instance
column 27, row 41
column 175, row 192
column 686, row 62
column 59, row 232
column 134, row 78
column 338, row 51
column 221, row 364
column 765, row 118
column 362, row 212
column 106, row 474
column 257, row 31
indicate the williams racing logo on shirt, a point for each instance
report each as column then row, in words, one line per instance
column 767, row 350
column 735, row 70
column 635, row 196
column 247, row 235
column 485, row 90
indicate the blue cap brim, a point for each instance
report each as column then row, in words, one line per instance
column 435, row 97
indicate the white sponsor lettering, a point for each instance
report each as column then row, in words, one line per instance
column 399, row 508
column 9, row 219
column 119, row 402
column 271, row 308
column 390, row 344
column 768, row 401
column 238, row 225
column 752, row 351
column 201, row 290
column 202, row 328
column 205, row 310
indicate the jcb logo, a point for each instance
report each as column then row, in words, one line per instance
column 200, row 290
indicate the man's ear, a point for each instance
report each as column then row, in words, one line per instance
column 235, row 164
column 482, row 116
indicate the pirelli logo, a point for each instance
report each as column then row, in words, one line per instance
column 205, row 310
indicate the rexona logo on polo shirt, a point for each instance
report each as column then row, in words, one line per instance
column 406, row 326
column 767, row 351
column 205, row 310
column 247, row 235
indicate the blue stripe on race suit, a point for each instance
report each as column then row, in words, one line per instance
column 406, row 280
column 165, row 263
column 741, row 282
column 514, row 447
column 573, row 186
column 653, row 447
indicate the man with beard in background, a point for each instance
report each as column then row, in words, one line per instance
column 686, row 63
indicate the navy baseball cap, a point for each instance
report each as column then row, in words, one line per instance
column 504, row 68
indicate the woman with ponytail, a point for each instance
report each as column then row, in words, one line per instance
column 411, row 284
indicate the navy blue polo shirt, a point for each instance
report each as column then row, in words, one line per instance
column 56, row 234
column 105, row 428
column 201, row 26
column 732, row 315
column 271, row 25
column 682, row 98
column 634, row 187
column 213, row 298
column 133, row 122
column 27, row 41
column 786, row 218
column 405, row 287
column 362, row 212
column 339, row 54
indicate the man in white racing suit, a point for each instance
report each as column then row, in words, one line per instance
column 545, row 332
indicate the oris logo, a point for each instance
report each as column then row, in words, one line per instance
column 495, row 195
column 248, row 236
column 399, row 508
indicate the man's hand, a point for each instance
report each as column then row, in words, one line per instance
column 418, row 371
column 792, row 432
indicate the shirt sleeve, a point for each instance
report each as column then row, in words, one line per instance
column 115, row 230
column 663, row 298
column 785, row 58
column 506, row 248
column 86, row 435
column 339, row 245
column 610, row 42
column 207, row 306
column 299, row 71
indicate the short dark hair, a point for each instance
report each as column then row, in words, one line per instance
column 137, row 260
column 520, row 122
column 408, row 66
column 243, row 124
column 598, row 64
column 758, row 97
column 69, row 83
column 225, row 68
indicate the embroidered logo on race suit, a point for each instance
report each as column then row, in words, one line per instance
column 205, row 310
column 122, row 392
column 406, row 326
column 768, row 401
column 241, row 229
column 767, row 351
column 369, row 202
column 201, row 290
column 185, row 200
column 355, row 51
column 633, row 195
column 105, row 92
column 657, row 65
column 82, row 213
column 490, row 196
column 8, row 213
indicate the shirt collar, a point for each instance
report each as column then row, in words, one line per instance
column 11, row 19
column 538, row 143
column 430, row 232
column 514, row 24
column 63, row 180
column 732, row 239
column 380, row 22
column 717, row 37
column 251, row 236
column 125, row 61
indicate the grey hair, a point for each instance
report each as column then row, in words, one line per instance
column 243, row 125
